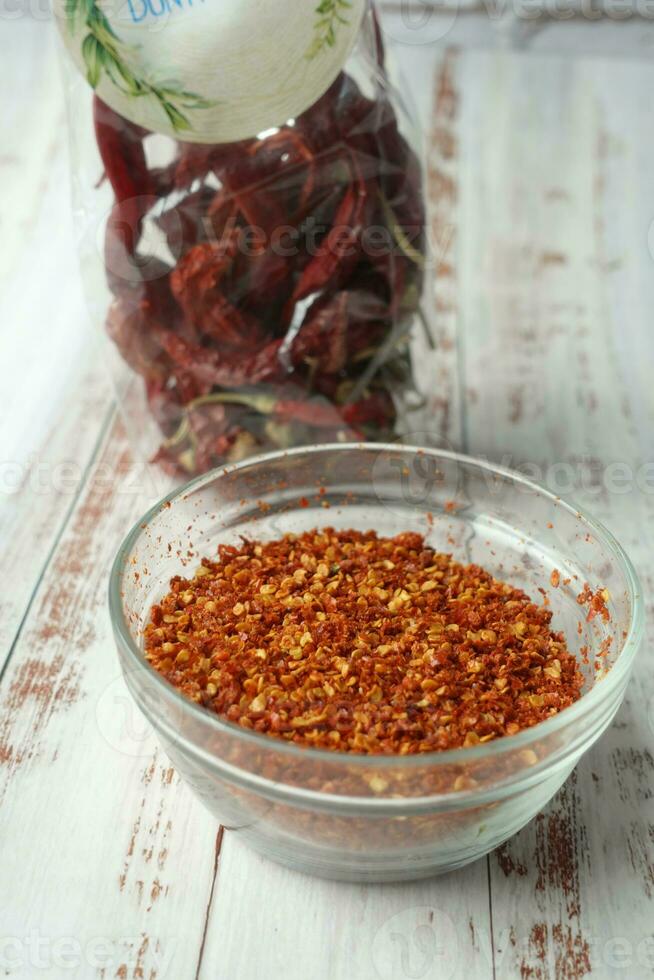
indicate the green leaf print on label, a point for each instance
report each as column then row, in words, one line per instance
column 331, row 14
column 103, row 51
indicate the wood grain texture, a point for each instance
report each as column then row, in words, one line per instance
column 117, row 833
column 55, row 393
column 544, row 290
column 541, row 198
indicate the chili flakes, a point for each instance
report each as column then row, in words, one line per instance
column 350, row 641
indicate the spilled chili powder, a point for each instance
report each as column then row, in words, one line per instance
column 351, row 641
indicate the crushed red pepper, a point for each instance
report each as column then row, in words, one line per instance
column 350, row 641
column 596, row 602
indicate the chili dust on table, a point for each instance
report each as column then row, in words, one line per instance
column 353, row 642
column 262, row 223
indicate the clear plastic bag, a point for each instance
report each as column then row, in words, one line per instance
column 262, row 293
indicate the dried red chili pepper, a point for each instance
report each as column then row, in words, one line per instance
column 331, row 267
column 123, row 156
column 268, row 320
column 197, row 283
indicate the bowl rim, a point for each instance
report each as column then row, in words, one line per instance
column 493, row 749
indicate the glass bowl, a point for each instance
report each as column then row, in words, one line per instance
column 382, row 818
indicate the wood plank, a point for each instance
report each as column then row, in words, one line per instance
column 492, row 24
column 46, row 326
column 43, row 492
column 329, row 930
column 55, row 395
column 544, row 292
column 106, row 842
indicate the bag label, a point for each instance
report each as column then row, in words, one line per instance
column 209, row 71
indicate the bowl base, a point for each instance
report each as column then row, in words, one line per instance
column 383, row 868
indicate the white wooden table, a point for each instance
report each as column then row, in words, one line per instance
column 542, row 197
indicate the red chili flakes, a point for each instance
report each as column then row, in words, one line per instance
column 596, row 602
column 555, row 578
column 350, row 641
